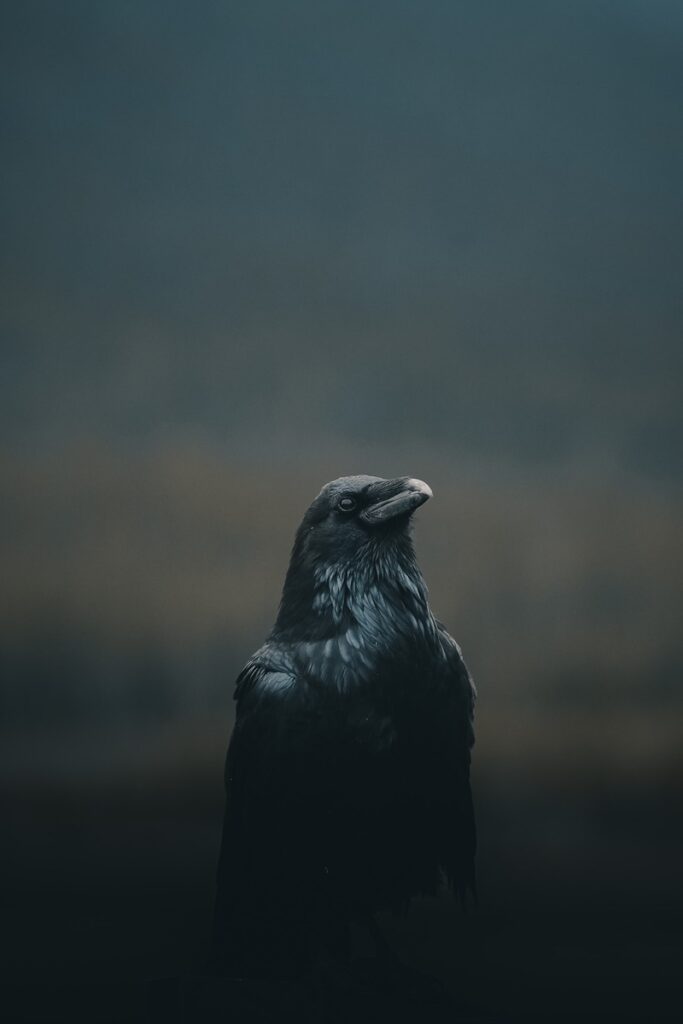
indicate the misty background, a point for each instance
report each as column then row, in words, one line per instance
column 248, row 248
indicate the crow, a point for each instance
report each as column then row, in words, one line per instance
column 348, row 769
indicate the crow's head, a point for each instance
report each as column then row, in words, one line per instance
column 353, row 510
column 354, row 524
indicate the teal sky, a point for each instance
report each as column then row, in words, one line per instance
column 301, row 225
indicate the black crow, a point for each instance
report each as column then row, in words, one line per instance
column 348, row 769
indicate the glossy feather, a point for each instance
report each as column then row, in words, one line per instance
column 347, row 773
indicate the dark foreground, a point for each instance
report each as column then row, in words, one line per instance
column 134, row 953
column 108, row 890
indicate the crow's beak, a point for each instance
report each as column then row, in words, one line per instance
column 393, row 498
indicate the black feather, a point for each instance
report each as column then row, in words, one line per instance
column 347, row 773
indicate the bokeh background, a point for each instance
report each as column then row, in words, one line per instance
column 248, row 247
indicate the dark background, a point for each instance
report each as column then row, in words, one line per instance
column 248, row 248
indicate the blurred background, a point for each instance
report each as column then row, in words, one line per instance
column 248, row 247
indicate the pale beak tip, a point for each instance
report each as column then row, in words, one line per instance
column 420, row 486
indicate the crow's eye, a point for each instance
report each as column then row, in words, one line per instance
column 347, row 504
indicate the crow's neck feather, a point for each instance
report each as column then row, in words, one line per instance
column 344, row 615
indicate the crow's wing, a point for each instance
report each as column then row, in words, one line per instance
column 266, row 885
column 458, row 837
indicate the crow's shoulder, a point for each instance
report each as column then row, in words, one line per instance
column 457, row 676
column 270, row 672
